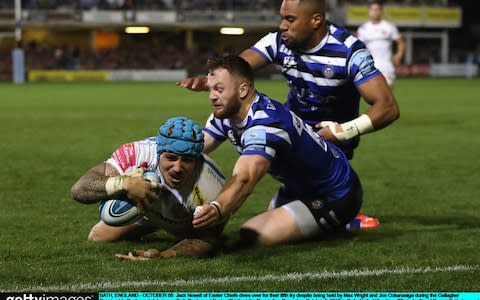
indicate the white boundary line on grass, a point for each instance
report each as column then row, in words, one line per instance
column 109, row 285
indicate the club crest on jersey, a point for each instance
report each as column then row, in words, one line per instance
column 270, row 105
column 317, row 204
column 231, row 137
column 328, row 72
column 289, row 62
column 198, row 196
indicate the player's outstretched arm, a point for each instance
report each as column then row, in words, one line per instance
column 248, row 170
column 199, row 83
column 90, row 188
column 210, row 144
column 383, row 108
column 103, row 182
column 255, row 60
column 196, row 84
column 186, row 247
column 382, row 112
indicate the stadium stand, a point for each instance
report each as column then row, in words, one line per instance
column 189, row 28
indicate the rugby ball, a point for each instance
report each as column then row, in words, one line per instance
column 119, row 212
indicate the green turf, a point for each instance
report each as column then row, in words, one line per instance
column 419, row 178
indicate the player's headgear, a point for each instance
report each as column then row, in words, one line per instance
column 180, row 135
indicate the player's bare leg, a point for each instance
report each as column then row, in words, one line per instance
column 273, row 227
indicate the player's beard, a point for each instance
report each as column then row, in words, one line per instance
column 301, row 39
column 293, row 43
column 229, row 109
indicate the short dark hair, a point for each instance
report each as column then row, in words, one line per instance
column 235, row 65
column 318, row 5
column 378, row 2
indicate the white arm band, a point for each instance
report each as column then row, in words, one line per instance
column 351, row 129
column 360, row 125
column 114, row 185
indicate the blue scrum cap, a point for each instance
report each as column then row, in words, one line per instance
column 180, row 135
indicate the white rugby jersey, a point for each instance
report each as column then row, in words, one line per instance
column 379, row 38
column 174, row 212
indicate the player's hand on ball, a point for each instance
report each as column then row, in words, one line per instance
column 140, row 192
column 138, row 172
column 205, row 215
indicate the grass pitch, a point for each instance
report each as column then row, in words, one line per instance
column 419, row 179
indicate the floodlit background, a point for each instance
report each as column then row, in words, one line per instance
column 89, row 86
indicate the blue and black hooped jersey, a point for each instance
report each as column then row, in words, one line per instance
column 303, row 161
column 322, row 80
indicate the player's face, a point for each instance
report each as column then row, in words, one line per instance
column 375, row 12
column 177, row 170
column 296, row 26
column 224, row 94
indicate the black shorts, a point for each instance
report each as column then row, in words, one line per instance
column 331, row 215
column 328, row 215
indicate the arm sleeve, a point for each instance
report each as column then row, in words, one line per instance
column 395, row 33
column 265, row 141
column 124, row 158
column 214, row 127
column 131, row 156
column 361, row 67
column 267, row 47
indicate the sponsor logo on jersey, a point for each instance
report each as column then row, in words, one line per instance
column 270, row 105
column 198, row 196
column 255, row 137
column 289, row 62
column 328, row 72
column 317, row 204
column 231, row 137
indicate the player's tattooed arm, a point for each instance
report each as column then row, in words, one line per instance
column 186, row 247
column 190, row 247
column 90, row 188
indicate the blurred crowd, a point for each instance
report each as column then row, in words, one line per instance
column 193, row 4
column 145, row 4
column 73, row 58
column 143, row 56
column 152, row 53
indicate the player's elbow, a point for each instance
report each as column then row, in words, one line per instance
column 77, row 192
column 392, row 111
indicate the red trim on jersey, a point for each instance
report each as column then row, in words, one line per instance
column 125, row 156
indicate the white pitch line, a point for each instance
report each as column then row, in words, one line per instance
column 110, row 285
